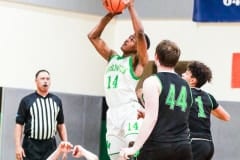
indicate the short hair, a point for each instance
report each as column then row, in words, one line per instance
column 201, row 72
column 168, row 53
column 147, row 40
column 41, row 70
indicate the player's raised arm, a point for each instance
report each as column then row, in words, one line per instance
column 221, row 113
column 95, row 37
column 142, row 44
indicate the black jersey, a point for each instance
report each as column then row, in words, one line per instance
column 200, row 114
column 174, row 106
column 40, row 115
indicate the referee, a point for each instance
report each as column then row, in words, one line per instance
column 41, row 115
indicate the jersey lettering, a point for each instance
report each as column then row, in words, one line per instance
column 181, row 100
column 133, row 126
column 201, row 113
column 112, row 82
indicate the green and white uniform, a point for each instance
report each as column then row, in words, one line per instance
column 120, row 83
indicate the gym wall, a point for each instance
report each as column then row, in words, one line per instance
column 226, row 134
column 150, row 9
column 34, row 38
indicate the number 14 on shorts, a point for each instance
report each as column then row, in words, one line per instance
column 132, row 127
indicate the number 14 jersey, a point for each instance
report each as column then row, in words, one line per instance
column 120, row 81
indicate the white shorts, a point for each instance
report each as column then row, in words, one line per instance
column 122, row 127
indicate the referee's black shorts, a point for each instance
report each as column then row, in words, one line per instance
column 38, row 149
column 167, row 151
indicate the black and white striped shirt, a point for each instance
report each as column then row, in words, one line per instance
column 40, row 115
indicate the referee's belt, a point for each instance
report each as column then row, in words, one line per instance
column 52, row 138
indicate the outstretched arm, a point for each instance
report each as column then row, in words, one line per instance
column 220, row 113
column 95, row 37
column 151, row 89
column 140, row 37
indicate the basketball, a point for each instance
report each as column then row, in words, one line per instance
column 114, row 6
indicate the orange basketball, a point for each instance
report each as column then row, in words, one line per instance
column 114, row 6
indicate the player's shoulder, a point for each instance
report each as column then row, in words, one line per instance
column 153, row 79
column 114, row 55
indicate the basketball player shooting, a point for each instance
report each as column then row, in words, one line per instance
column 120, row 80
